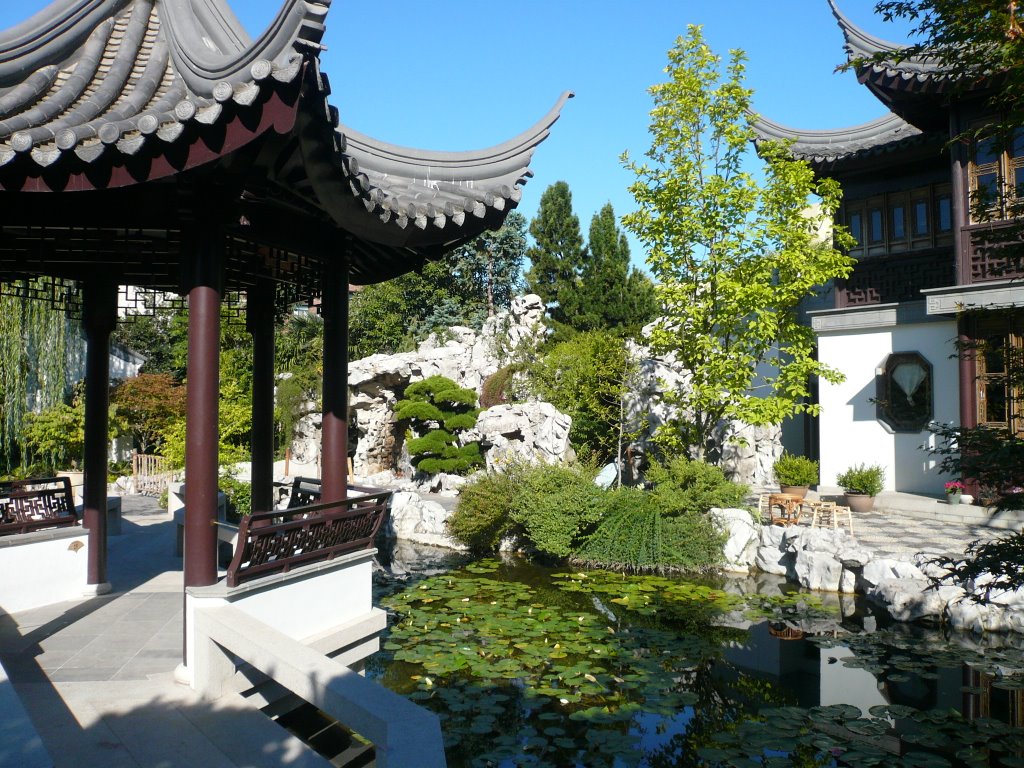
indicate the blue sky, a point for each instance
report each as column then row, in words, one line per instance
column 470, row 75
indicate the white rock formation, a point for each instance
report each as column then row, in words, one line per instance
column 818, row 570
column 747, row 458
column 743, row 537
column 414, row 519
column 376, row 383
column 526, row 432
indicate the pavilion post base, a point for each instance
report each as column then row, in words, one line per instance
column 94, row 590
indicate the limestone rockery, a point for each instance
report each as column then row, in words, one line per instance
column 833, row 561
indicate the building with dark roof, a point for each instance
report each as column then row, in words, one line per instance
column 924, row 276
column 154, row 143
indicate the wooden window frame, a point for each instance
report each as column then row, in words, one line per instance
column 1011, row 331
column 1004, row 166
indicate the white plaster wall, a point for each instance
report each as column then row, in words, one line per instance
column 46, row 571
column 315, row 603
column 304, row 603
column 850, row 433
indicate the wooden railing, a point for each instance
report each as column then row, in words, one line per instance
column 276, row 541
column 151, row 473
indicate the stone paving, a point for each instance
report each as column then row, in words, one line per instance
column 907, row 536
column 97, row 676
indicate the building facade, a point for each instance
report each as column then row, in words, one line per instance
column 925, row 325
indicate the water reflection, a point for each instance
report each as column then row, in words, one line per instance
column 534, row 666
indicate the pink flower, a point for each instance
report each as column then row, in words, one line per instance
column 954, row 486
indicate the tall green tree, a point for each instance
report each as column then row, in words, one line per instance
column 479, row 279
column 556, row 259
column 34, row 339
column 610, row 294
column 731, row 256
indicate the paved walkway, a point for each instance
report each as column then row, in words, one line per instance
column 96, row 676
column 903, row 524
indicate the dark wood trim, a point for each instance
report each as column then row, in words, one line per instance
column 275, row 542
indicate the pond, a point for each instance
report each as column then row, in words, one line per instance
column 532, row 666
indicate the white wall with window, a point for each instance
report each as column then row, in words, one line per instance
column 880, row 357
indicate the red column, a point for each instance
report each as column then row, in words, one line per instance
column 259, row 320
column 334, row 431
column 99, row 315
column 202, row 396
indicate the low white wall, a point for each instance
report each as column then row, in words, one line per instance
column 43, row 567
column 851, row 433
column 306, row 604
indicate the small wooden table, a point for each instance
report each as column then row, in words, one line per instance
column 784, row 508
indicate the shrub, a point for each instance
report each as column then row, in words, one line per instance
column 685, row 486
column 636, row 535
column 863, row 479
column 55, row 437
column 492, row 391
column 442, row 408
column 483, row 515
column 585, row 378
column 795, row 470
column 148, row 404
column 239, row 495
column 556, row 506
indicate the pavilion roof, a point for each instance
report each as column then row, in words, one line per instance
column 885, row 134
column 102, row 94
column 879, row 65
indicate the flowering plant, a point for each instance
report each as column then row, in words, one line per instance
column 954, row 486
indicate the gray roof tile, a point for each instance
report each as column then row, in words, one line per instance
column 84, row 81
column 887, row 133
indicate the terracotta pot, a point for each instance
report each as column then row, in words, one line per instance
column 860, row 502
column 794, row 490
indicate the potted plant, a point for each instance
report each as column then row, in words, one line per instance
column 861, row 483
column 954, row 491
column 795, row 474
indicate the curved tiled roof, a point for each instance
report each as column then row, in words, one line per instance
column 87, row 85
column 914, row 73
column 436, row 190
column 825, row 146
column 113, row 75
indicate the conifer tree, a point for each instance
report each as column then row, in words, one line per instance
column 610, row 295
column 557, row 257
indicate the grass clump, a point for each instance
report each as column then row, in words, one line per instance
column 561, row 513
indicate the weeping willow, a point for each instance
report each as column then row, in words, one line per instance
column 33, row 358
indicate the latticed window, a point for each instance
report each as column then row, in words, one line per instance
column 999, row 351
column 900, row 221
column 997, row 177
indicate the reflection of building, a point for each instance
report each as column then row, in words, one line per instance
column 890, row 328
column 982, row 699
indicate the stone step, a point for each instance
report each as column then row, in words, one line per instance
column 941, row 511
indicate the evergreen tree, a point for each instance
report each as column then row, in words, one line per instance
column 557, row 257
column 610, row 294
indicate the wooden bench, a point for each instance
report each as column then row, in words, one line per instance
column 35, row 503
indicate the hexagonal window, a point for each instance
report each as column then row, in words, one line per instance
column 905, row 402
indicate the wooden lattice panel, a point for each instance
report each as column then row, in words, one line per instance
column 891, row 280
